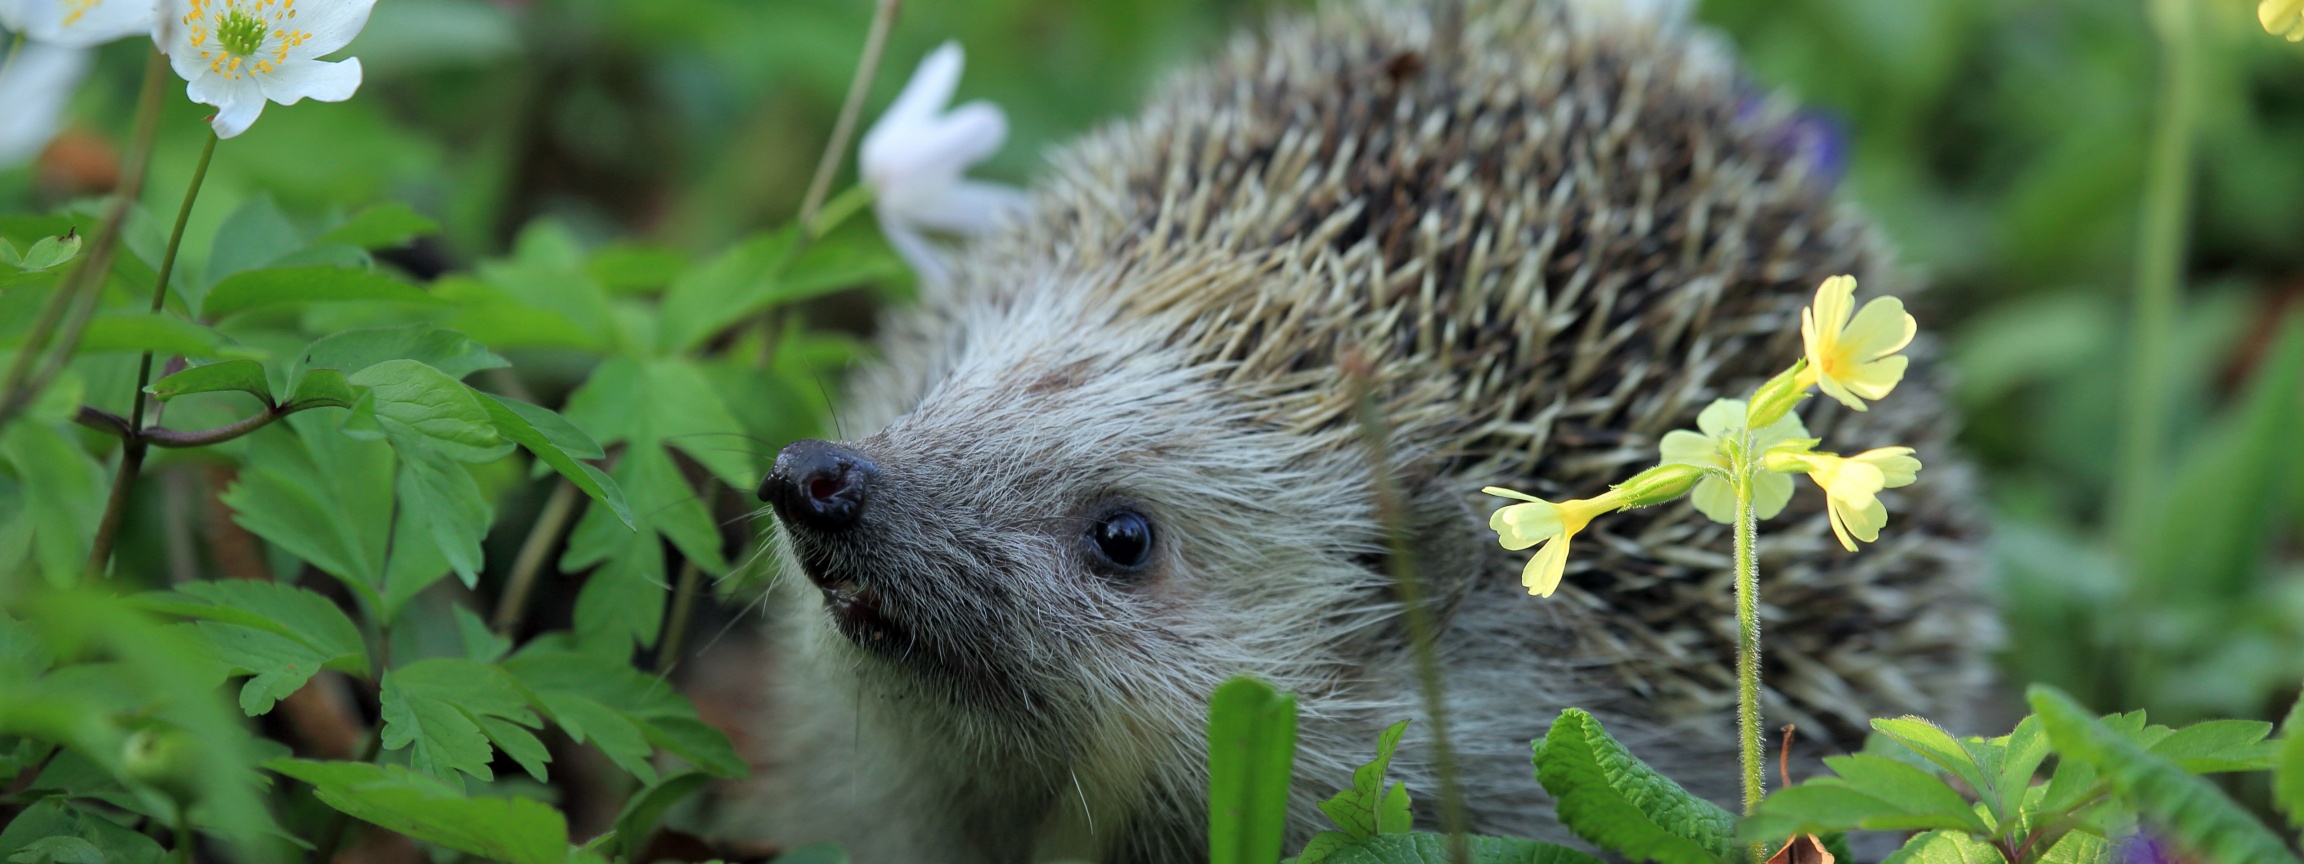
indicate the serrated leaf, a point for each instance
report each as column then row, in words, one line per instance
column 2079, row 848
column 1369, row 808
column 323, row 497
column 1871, row 792
column 63, row 490
column 382, row 226
column 511, row 829
column 1946, row 847
column 2214, row 746
column 1618, row 803
column 1251, row 757
column 1424, row 848
column 37, row 833
column 246, row 376
column 440, row 499
column 2022, row 751
column 434, row 708
column 621, row 710
column 1940, row 747
column 517, row 421
column 2186, row 808
column 626, row 269
column 421, row 409
column 277, row 633
column 2288, row 776
column 637, row 822
column 726, row 289
column 300, row 286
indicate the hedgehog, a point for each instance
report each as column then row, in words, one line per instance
column 1114, row 460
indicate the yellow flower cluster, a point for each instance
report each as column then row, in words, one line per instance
column 1750, row 448
column 2282, row 18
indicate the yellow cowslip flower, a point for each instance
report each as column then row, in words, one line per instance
column 1519, row 526
column 2282, row 18
column 1715, row 496
column 1853, row 359
column 1852, row 485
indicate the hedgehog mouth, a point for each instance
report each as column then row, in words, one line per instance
column 857, row 613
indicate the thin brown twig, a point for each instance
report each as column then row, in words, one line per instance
column 883, row 20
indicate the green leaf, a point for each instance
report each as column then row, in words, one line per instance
column 517, row 420
column 382, row 226
column 1423, row 848
column 51, row 251
column 621, row 710
column 453, row 354
column 2188, row 809
column 1870, row 792
column 2288, row 776
column 323, row 497
column 299, row 286
column 324, row 388
column 52, row 830
column 728, row 288
column 1368, row 808
column 439, row 498
column 63, row 491
column 421, row 409
column 1941, row 748
column 1618, row 803
column 435, row 708
column 246, row 376
column 1946, row 847
column 1251, row 756
column 626, row 269
column 2021, row 754
column 280, row 634
column 157, row 332
column 814, row 853
column 2219, row 745
column 516, row 830
column 637, row 822
column 2079, row 848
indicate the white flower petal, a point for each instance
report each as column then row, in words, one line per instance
column 13, row 13
column 318, row 79
column 923, row 98
column 938, row 152
column 38, row 82
column 916, row 250
column 75, row 26
column 238, row 102
column 971, row 207
column 332, row 24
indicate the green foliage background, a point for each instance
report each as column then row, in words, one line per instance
column 638, row 146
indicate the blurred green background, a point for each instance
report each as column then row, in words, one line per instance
column 2001, row 143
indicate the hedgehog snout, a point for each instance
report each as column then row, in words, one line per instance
column 819, row 485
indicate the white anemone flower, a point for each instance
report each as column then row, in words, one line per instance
column 35, row 82
column 915, row 154
column 239, row 54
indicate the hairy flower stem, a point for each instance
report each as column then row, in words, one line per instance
column 1754, row 750
column 1422, row 636
column 132, row 449
column 22, row 384
column 2159, row 278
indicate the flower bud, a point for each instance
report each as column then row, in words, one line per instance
column 1659, row 484
column 1777, row 397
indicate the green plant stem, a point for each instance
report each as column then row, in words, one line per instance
column 1754, row 750
column 513, row 604
column 2160, row 252
column 22, row 383
column 875, row 41
column 132, row 449
column 1392, row 511
column 184, row 837
column 176, row 439
column 683, row 608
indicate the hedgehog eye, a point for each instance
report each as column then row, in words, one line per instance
column 1122, row 540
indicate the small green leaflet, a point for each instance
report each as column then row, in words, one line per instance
column 544, row 434
column 382, row 226
column 301, row 286
column 1369, row 808
column 53, row 831
column 1618, row 803
column 49, row 252
column 516, row 830
column 637, row 822
column 1946, row 847
column 1251, row 756
column 246, row 376
column 623, row 711
column 1871, row 792
column 446, row 711
column 2288, row 777
column 278, row 633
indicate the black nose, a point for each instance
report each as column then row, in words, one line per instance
column 819, row 485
